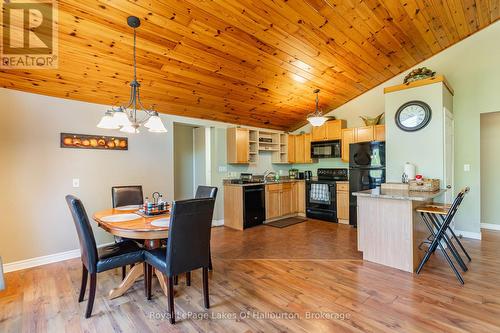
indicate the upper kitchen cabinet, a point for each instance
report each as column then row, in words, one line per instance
column 238, row 145
column 330, row 130
column 299, row 148
column 291, row 148
column 360, row 134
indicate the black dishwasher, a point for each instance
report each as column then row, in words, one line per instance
column 254, row 205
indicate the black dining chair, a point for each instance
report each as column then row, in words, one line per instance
column 187, row 248
column 203, row 191
column 96, row 260
column 125, row 196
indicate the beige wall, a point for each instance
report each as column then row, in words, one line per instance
column 490, row 167
column 36, row 174
column 183, row 161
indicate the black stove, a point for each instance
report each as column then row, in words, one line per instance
column 321, row 194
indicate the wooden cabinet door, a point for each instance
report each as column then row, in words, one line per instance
column 334, row 129
column 291, row 148
column 286, row 199
column 301, row 197
column 343, row 205
column 347, row 138
column 307, row 148
column 379, row 132
column 273, row 201
column 319, row 133
column 237, row 145
column 364, row 134
column 299, row 149
column 295, row 197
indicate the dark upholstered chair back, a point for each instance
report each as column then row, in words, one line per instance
column 188, row 242
column 88, row 247
column 127, row 195
column 206, row 192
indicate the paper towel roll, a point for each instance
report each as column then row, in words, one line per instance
column 410, row 171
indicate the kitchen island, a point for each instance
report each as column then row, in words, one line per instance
column 389, row 229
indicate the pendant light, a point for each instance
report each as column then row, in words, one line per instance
column 126, row 117
column 317, row 118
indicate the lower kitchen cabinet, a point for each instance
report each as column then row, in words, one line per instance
column 343, row 202
column 285, row 199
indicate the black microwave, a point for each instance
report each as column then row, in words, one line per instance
column 326, row 149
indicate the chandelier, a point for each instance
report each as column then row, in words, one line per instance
column 317, row 118
column 125, row 117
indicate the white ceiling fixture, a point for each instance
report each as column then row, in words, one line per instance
column 317, row 118
column 125, row 117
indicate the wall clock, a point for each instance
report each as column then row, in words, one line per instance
column 413, row 116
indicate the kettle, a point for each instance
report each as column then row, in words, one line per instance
column 308, row 175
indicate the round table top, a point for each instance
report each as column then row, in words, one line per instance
column 139, row 228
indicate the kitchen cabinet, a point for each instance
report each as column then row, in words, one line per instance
column 238, row 142
column 307, row 148
column 285, row 199
column 273, row 201
column 291, row 148
column 330, row 130
column 360, row 134
column 379, row 133
column 347, row 139
column 300, row 149
column 364, row 134
column 343, row 202
column 299, row 197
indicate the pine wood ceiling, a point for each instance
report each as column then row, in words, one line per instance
column 251, row 62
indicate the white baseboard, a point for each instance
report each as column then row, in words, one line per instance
column 43, row 260
column 490, row 226
column 468, row 234
column 217, row 223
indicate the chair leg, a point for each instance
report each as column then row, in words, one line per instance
column 146, row 279
column 90, row 302
column 210, row 267
column 85, row 276
column 150, row 281
column 188, row 278
column 176, row 279
column 170, row 292
column 124, row 272
column 205, row 287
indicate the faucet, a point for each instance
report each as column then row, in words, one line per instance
column 267, row 173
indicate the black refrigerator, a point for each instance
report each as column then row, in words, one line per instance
column 366, row 171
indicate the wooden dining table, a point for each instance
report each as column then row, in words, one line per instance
column 141, row 230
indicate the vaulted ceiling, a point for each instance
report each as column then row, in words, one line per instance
column 251, row 62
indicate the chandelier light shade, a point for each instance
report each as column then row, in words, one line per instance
column 317, row 118
column 126, row 117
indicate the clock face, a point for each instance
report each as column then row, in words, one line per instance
column 413, row 116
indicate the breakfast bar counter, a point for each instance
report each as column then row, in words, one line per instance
column 389, row 229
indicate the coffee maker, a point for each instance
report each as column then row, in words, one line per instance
column 293, row 173
column 308, row 175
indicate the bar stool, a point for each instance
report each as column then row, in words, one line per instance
column 438, row 218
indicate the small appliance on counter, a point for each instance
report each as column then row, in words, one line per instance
column 301, row 175
column 308, row 175
column 321, row 194
column 293, row 174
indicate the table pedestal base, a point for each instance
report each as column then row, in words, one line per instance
column 133, row 275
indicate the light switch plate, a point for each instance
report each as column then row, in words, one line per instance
column 466, row 167
column 76, row 182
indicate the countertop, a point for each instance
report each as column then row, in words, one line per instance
column 227, row 182
column 399, row 194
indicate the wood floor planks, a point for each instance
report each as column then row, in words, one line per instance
column 308, row 267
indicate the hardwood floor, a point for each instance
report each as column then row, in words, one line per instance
column 308, row 267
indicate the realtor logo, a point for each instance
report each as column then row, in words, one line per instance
column 29, row 34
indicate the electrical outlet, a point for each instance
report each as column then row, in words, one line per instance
column 222, row 168
column 76, row 182
column 466, row 167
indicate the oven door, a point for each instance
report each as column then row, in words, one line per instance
column 321, row 200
